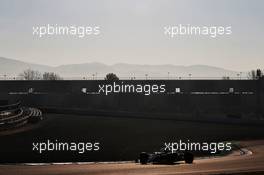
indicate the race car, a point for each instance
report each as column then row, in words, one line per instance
column 165, row 157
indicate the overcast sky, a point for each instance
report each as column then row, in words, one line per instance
column 132, row 32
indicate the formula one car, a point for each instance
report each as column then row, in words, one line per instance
column 165, row 157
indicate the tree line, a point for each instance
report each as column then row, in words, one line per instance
column 36, row 75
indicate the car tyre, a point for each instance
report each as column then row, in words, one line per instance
column 143, row 158
column 188, row 157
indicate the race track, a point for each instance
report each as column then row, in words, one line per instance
column 251, row 161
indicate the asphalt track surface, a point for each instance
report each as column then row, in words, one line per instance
column 249, row 160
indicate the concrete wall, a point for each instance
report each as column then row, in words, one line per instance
column 199, row 99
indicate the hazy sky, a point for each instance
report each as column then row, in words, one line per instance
column 132, row 32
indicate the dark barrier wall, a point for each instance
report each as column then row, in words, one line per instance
column 138, row 123
column 182, row 98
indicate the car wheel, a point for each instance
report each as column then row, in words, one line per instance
column 143, row 158
column 188, row 157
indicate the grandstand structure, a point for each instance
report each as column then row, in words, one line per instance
column 14, row 116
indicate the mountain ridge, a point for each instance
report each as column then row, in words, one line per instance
column 12, row 67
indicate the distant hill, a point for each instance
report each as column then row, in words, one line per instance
column 12, row 67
